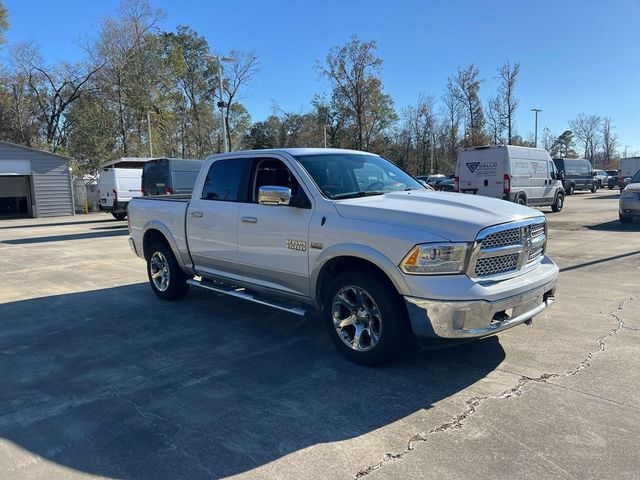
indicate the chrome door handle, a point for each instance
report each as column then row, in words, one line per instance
column 249, row 220
column 196, row 214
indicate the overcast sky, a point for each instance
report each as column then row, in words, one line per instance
column 576, row 56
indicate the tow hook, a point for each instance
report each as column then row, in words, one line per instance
column 529, row 322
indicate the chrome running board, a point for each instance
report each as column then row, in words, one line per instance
column 243, row 294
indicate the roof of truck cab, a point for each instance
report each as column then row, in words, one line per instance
column 292, row 151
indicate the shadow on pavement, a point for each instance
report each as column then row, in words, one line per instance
column 59, row 224
column 615, row 226
column 71, row 236
column 608, row 196
column 117, row 383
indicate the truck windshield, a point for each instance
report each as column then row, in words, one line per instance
column 350, row 175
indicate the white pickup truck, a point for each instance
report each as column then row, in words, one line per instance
column 352, row 235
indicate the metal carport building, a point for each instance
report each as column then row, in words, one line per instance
column 34, row 183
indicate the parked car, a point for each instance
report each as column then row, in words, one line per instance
column 629, row 203
column 377, row 254
column 446, row 185
column 601, row 177
column 169, row 175
column 612, row 180
column 116, row 187
column 425, row 184
column 577, row 174
column 628, row 167
column 523, row 175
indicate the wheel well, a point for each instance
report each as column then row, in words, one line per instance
column 520, row 195
column 150, row 237
column 340, row 264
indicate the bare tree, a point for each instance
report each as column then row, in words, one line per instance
column 465, row 88
column 609, row 140
column 495, row 120
column 54, row 88
column 507, row 75
column 452, row 113
column 240, row 74
column 586, row 128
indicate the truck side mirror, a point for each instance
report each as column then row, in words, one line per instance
column 274, row 195
column 561, row 175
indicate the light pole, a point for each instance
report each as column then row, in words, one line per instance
column 325, row 134
column 625, row 150
column 219, row 61
column 149, row 130
column 535, row 142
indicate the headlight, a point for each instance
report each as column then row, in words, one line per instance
column 435, row 259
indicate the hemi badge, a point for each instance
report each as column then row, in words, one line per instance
column 300, row 245
column 316, row 245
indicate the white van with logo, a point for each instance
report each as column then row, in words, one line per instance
column 523, row 175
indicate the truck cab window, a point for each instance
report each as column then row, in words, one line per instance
column 272, row 172
column 224, row 179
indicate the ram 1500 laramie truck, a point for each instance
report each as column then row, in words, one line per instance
column 354, row 236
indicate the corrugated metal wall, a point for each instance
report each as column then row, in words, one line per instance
column 51, row 179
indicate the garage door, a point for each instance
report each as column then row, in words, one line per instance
column 15, row 167
column 14, row 196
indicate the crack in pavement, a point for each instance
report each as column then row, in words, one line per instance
column 472, row 404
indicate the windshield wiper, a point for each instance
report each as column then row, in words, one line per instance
column 356, row 194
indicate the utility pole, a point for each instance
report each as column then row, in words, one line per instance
column 625, row 150
column 535, row 142
column 149, row 130
column 433, row 146
column 218, row 59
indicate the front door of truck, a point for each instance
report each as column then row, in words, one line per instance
column 273, row 239
column 212, row 218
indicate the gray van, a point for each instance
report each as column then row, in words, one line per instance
column 165, row 176
column 576, row 174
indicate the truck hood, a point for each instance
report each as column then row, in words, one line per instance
column 454, row 216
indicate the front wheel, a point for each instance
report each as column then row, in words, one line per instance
column 366, row 318
column 594, row 188
column 521, row 201
column 166, row 278
column 572, row 189
column 558, row 204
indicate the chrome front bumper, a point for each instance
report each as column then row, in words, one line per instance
column 433, row 319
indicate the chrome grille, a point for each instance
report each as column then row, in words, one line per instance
column 508, row 248
column 535, row 254
column 502, row 239
column 495, row 265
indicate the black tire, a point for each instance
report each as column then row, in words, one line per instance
column 558, row 204
column 610, row 187
column 119, row 216
column 594, row 188
column 520, row 200
column 176, row 280
column 572, row 189
column 624, row 219
column 391, row 323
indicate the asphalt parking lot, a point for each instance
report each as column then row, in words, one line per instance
column 99, row 378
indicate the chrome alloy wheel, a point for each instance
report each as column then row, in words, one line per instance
column 160, row 273
column 356, row 318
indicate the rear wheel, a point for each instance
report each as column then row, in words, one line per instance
column 366, row 318
column 166, row 278
column 572, row 189
column 594, row 188
column 119, row 216
column 625, row 219
column 559, row 203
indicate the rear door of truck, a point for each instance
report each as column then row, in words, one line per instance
column 128, row 183
column 106, row 187
column 212, row 217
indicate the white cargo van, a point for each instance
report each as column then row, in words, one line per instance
column 628, row 168
column 119, row 181
column 522, row 175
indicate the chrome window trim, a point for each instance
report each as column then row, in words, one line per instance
column 523, row 265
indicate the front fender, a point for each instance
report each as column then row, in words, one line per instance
column 363, row 252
